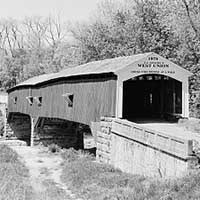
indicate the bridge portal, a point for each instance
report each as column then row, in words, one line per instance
column 152, row 96
column 152, row 87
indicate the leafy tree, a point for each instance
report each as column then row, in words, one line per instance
column 39, row 45
column 127, row 30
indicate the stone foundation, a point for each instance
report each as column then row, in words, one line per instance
column 103, row 141
column 19, row 127
column 138, row 150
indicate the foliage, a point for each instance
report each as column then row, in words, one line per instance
column 169, row 28
column 41, row 45
column 54, row 148
column 31, row 47
column 137, row 28
column 71, row 154
column 8, row 155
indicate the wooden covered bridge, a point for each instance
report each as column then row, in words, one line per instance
column 52, row 107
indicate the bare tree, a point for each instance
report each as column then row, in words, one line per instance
column 196, row 4
column 56, row 32
column 35, row 28
column 11, row 37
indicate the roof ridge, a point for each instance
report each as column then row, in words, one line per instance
column 109, row 65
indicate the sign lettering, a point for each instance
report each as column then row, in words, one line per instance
column 153, row 66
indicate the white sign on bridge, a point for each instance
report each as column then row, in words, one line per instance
column 153, row 64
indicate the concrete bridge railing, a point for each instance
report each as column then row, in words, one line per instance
column 139, row 150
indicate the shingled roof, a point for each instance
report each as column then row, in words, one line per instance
column 112, row 65
column 96, row 67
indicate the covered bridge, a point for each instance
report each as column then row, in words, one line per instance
column 52, row 106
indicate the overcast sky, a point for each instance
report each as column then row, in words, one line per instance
column 68, row 9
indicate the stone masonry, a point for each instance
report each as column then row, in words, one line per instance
column 104, row 140
column 138, row 150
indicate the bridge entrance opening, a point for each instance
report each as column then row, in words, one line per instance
column 151, row 96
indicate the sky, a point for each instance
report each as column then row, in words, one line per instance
column 73, row 10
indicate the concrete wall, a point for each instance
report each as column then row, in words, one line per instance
column 136, row 158
column 132, row 149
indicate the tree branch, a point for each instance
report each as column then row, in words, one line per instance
column 190, row 18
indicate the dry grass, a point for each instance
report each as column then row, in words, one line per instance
column 52, row 192
column 91, row 180
column 14, row 177
column 15, row 181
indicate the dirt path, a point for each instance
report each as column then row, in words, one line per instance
column 45, row 170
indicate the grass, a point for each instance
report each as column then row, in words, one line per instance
column 14, row 176
column 15, row 180
column 52, row 192
column 91, row 180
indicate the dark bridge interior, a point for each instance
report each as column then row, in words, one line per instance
column 151, row 96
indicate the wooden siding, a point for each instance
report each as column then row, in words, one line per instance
column 93, row 98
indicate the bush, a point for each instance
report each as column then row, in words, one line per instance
column 54, row 148
column 8, row 155
column 70, row 155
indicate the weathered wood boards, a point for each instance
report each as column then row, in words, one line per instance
column 85, row 93
column 92, row 98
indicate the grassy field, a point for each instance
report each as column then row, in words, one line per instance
column 15, row 180
column 14, row 177
column 91, row 180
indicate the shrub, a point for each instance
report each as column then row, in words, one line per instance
column 70, row 155
column 8, row 155
column 54, row 148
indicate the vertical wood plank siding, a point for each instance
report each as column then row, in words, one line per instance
column 93, row 98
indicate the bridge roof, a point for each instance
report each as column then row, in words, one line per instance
column 113, row 65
